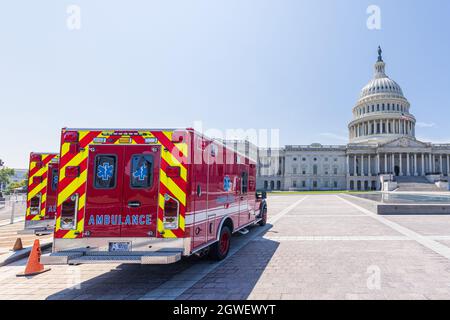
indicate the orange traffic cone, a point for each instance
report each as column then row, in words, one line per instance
column 17, row 245
column 34, row 265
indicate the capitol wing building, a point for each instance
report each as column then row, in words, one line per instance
column 382, row 153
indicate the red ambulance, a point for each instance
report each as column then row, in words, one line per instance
column 151, row 196
column 41, row 197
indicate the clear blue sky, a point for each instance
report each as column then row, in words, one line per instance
column 293, row 65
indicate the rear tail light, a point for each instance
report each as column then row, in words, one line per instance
column 72, row 172
column 35, row 205
column 70, row 136
column 171, row 213
column 69, row 209
column 35, row 157
column 173, row 172
column 74, row 148
column 39, row 165
column 37, row 180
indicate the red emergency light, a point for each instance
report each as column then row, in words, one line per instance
column 35, row 157
column 73, row 172
column 37, row 180
column 70, row 136
column 173, row 172
column 39, row 165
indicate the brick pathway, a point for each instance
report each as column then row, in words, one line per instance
column 321, row 248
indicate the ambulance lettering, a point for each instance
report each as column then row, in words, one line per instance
column 116, row 219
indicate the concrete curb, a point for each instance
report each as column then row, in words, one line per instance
column 18, row 255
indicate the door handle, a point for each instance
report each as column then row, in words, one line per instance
column 134, row 204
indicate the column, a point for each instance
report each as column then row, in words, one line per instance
column 407, row 164
column 369, row 171
column 400, row 159
column 393, row 163
column 433, row 163
column 378, row 163
column 423, row 164
column 440, row 164
column 355, row 171
column 362, row 165
column 385, row 163
column 448, row 165
column 430, row 168
column 348, row 164
column 415, row 165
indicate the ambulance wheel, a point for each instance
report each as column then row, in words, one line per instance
column 219, row 250
column 263, row 220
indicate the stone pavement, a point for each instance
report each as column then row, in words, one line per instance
column 318, row 247
column 8, row 236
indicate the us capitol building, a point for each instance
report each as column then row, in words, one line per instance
column 382, row 147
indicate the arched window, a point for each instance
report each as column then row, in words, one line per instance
column 315, row 169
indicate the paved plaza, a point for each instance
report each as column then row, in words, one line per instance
column 314, row 247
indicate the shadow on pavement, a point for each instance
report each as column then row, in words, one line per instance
column 234, row 278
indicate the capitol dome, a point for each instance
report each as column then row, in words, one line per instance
column 382, row 111
column 381, row 85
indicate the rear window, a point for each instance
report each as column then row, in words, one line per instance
column 141, row 175
column 105, row 171
column 54, row 178
column 244, row 185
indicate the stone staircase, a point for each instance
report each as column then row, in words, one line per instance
column 415, row 184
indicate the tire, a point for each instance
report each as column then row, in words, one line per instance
column 263, row 220
column 219, row 250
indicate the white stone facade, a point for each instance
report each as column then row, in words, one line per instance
column 381, row 143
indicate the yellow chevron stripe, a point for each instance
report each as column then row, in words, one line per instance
column 172, row 161
column 43, row 200
column 181, row 222
column 181, row 146
column 173, row 187
column 64, row 149
column 161, row 201
column 75, row 161
column 71, row 234
column 81, row 201
column 66, row 146
column 37, row 189
column 167, row 233
column 72, row 187
column 57, row 223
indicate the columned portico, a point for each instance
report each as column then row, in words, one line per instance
column 383, row 130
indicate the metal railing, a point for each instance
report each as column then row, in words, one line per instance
column 12, row 208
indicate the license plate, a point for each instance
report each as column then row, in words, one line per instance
column 119, row 246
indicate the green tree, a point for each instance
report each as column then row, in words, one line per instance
column 5, row 176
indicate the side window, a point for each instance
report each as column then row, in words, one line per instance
column 105, row 171
column 244, row 184
column 54, row 180
column 141, row 175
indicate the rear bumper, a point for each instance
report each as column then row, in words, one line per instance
column 96, row 250
column 36, row 226
column 90, row 257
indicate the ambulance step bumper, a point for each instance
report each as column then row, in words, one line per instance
column 77, row 257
